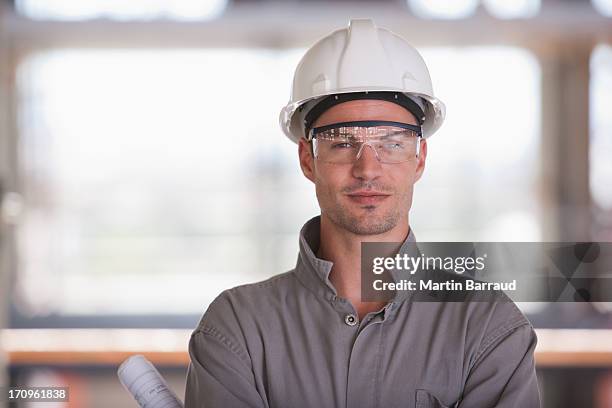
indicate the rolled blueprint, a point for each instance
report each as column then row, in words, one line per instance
column 146, row 384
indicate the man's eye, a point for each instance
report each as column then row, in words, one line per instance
column 342, row 145
column 394, row 146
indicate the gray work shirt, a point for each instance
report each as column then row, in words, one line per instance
column 290, row 341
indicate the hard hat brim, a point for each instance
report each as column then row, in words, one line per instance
column 292, row 115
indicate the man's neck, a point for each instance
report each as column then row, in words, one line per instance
column 343, row 248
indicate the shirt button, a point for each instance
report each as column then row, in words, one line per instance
column 350, row 319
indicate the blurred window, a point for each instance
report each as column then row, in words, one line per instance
column 152, row 174
column 600, row 153
column 505, row 9
column 603, row 6
column 121, row 10
column 482, row 178
column 443, row 9
column 153, row 180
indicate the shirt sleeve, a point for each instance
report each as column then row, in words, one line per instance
column 219, row 375
column 503, row 375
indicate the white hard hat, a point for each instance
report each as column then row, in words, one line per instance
column 358, row 59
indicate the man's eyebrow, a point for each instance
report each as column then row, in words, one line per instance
column 347, row 135
column 339, row 132
column 395, row 133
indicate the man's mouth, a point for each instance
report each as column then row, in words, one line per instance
column 367, row 197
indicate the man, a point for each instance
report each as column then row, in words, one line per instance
column 362, row 102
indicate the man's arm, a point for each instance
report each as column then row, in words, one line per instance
column 503, row 374
column 219, row 375
column 221, row 372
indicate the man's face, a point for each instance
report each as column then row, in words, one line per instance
column 366, row 197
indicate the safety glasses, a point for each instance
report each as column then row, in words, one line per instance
column 343, row 143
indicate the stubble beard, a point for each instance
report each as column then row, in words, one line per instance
column 368, row 224
column 371, row 220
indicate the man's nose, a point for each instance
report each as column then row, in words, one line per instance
column 366, row 165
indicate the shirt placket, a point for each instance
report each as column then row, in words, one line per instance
column 364, row 361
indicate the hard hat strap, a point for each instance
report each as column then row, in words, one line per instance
column 331, row 100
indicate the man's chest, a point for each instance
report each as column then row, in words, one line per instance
column 375, row 364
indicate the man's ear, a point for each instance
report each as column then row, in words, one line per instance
column 421, row 160
column 306, row 159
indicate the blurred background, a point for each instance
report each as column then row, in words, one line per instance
column 143, row 171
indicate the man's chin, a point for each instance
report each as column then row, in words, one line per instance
column 368, row 224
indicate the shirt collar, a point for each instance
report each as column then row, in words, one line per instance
column 314, row 272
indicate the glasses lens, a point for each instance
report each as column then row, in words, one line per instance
column 338, row 145
column 342, row 145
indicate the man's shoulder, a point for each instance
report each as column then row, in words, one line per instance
column 247, row 301
column 490, row 301
column 264, row 290
column 489, row 314
column 500, row 314
column 494, row 318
